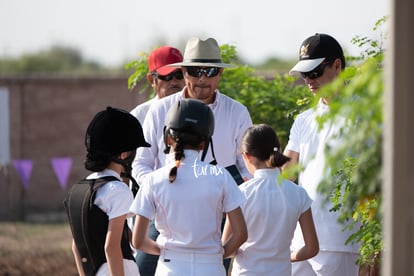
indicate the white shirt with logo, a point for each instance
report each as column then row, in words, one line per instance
column 188, row 212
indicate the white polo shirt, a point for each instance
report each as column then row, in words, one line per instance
column 311, row 143
column 141, row 110
column 114, row 198
column 231, row 121
column 271, row 211
column 188, row 212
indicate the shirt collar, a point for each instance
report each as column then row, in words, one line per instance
column 212, row 105
column 272, row 172
column 105, row 172
column 190, row 156
column 322, row 107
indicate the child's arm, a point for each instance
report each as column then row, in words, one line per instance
column 235, row 232
column 311, row 247
column 140, row 239
column 113, row 251
column 227, row 231
column 77, row 259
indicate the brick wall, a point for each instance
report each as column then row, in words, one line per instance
column 48, row 118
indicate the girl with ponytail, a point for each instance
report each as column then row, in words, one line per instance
column 272, row 209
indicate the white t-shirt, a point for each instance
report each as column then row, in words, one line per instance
column 311, row 143
column 271, row 210
column 232, row 119
column 114, row 198
column 188, row 212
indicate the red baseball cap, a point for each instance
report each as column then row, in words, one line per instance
column 163, row 56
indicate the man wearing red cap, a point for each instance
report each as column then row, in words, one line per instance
column 163, row 79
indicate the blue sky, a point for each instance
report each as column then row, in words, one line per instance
column 115, row 31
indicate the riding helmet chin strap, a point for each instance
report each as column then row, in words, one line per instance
column 203, row 155
column 127, row 173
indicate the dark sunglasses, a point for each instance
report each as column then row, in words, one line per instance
column 315, row 73
column 176, row 74
column 209, row 72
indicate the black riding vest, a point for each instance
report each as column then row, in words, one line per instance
column 89, row 224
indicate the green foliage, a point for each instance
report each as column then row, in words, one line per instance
column 139, row 74
column 57, row 59
column 371, row 47
column 354, row 186
column 273, row 64
column 271, row 101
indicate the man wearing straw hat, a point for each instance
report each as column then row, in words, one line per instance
column 202, row 68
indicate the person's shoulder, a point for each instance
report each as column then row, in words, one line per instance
column 163, row 104
column 115, row 188
column 143, row 105
column 170, row 98
column 228, row 102
column 157, row 176
column 249, row 186
column 290, row 184
column 228, row 99
column 292, row 187
column 210, row 171
column 305, row 114
column 141, row 110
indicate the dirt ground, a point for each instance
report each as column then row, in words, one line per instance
column 36, row 249
column 45, row 249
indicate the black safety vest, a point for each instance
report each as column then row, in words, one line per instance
column 89, row 224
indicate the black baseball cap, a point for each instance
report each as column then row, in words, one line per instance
column 314, row 50
column 113, row 131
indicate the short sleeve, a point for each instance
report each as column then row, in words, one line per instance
column 304, row 199
column 114, row 199
column 233, row 197
column 143, row 203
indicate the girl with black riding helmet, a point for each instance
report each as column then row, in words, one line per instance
column 111, row 140
column 187, row 198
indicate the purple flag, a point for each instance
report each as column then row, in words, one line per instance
column 62, row 167
column 24, row 169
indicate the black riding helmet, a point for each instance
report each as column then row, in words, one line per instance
column 113, row 131
column 191, row 121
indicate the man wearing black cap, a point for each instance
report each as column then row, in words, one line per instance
column 321, row 60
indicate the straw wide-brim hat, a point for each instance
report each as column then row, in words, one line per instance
column 204, row 53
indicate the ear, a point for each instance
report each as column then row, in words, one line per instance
column 247, row 156
column 123, row 155
column 221, row 71
column 338, row 65
column 151, row 79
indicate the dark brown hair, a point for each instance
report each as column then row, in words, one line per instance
column 181, row 140
column 261, row 141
